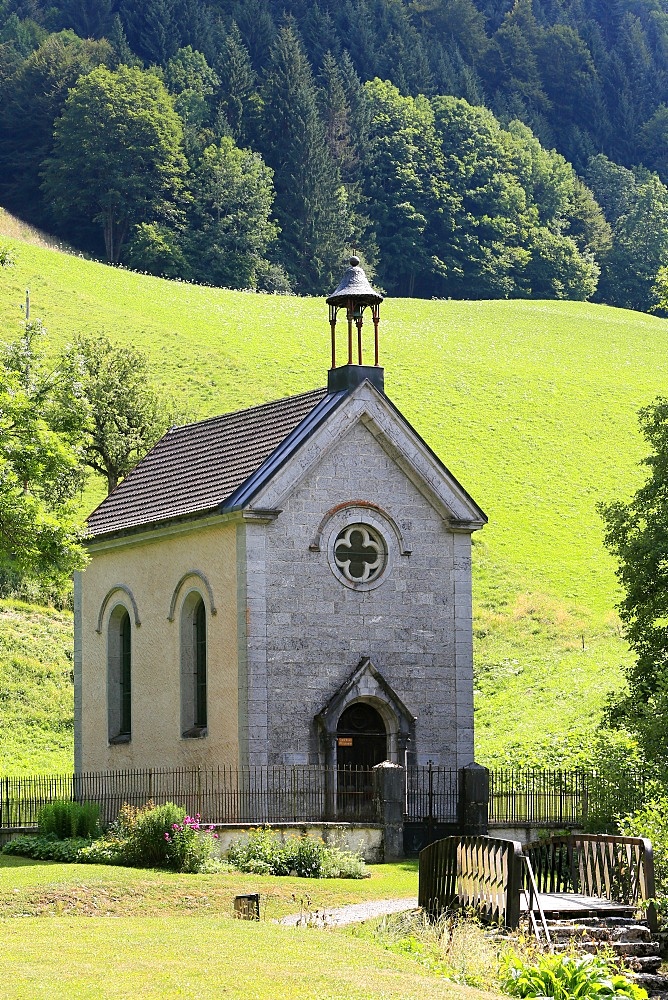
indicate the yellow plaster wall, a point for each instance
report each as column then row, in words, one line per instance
column 152, row 570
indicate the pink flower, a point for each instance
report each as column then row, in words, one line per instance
column 175, row 826
column 167, row 836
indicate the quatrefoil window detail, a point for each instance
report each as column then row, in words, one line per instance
column 359, row 553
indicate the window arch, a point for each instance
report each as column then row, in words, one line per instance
column 119, row 675
column 193, row 667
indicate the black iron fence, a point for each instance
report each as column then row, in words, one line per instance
column 254, row 795
column 555, row 798
column 299, row 794
column 432, row 794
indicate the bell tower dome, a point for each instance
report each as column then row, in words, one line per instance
column 355, row 294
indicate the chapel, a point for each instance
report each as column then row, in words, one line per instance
column 287, row 584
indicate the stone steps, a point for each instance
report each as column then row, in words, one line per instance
column 627, row 937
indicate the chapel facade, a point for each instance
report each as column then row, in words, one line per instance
column 288, row 584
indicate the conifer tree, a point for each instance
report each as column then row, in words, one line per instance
column 123, row 54
column 238, row 100
column 152, row 29
column 257, row 28
column 89, row 18
column 311, row 203
column 320, row 35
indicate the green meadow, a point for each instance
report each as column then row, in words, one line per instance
column 532, row 406
column 168, row 936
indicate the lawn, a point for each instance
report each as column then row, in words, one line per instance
column 144, row 942
column 178, row 957
column 45, row 888
column 531, row 404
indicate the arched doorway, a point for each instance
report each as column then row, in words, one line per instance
column 361, row 743
column 361, row 737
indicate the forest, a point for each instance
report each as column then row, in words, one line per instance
column 464, row 148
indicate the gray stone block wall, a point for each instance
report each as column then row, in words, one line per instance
column 307, row 631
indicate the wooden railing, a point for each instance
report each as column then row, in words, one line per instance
column 620, row 869
column 472, row 872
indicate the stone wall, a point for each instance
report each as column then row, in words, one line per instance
column 358, row 838
column 308, row 631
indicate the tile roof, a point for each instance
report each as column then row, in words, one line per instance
column 198, row 467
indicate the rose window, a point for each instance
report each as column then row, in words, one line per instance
column 359, row 553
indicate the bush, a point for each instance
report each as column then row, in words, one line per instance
column 46, row 848
column 7, row 258
column 64, row 819
column 652, row 821
column 143, row 831
column 154, row 837
column 188, row 845
column 263, row 853
column 565, row 977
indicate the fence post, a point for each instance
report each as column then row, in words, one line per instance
column 473, row 805
column 430, row 804
column 388, row 780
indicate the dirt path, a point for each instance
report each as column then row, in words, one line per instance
column 353, row 914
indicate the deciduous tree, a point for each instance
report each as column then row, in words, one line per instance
column 40, row 470
column 637, row 534
column 234, row 194
column 117, row 157
column 107, row 398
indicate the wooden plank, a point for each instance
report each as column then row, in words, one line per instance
column 572, row 903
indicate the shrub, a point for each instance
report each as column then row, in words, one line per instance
column 263, row 853
column 154, row 837
column 64, row 818
column 45, row 848
column 260, row 854
column 143, row 831
column 189, row 845
column 565, row 977
column 7, row 258
column 652, row 821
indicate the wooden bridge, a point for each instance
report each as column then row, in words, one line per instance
column 563, row 877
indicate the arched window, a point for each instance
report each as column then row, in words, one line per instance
column 119, row 676
column 193, row 667
column 199, row 639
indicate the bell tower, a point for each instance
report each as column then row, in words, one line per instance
column 355, row 294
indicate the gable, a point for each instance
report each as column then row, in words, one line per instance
column 366, row 406
column 252, row 458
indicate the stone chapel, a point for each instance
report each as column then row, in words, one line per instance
column 287, row 584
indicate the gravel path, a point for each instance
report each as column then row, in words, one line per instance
column 353, row 914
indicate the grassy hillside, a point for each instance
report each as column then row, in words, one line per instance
column 532, row 405
column 36, row 705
